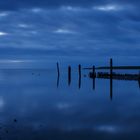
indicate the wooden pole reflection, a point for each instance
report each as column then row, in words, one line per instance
column 58, row 74
column 94, row 76
column 79, row 70
column 111, row 78
column 69, row 75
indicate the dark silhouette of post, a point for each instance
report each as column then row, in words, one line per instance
column 58, row 74
column 79, row 70
column 93, row 71
column 111, row 78
column 69, row 75
column 139, row 79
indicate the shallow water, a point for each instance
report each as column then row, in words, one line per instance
column 33, row 106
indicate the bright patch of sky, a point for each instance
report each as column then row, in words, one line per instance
column 36, row 10
column 64, row 31
column 2, row 103
column 72, row 8
column 3, row 14
column 3, row 33
column 108, row 8
column 108, row 128
column 23, row 25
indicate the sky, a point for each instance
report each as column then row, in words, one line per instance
column 35, row 28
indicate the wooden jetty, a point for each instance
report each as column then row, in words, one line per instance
column 95, row 72
column 116, row 68
column 117, row 76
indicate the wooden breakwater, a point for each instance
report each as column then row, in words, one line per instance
column 111, row 75
column 115, row 68
column 117, row 76
column 94, row 73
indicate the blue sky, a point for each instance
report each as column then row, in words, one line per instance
column 72, row 27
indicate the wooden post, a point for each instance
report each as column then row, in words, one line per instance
column 58, row 72
column 93, row 71
column 139, row 79
column 111, row 67
column 79, row 70
column 111, row 78
column 69, row 75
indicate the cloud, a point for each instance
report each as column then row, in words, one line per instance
column 3, row 14
column 22, row 25
column 3, row 33
column 36, row 10
column 108, row 8
column 18, row 4
column 101, row 29
column 2, row 103
column 72, row 8
column 14, row 61
column 108, row 128
column 64, row 31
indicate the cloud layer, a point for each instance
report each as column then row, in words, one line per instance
column 65, row 27
column 17, row 4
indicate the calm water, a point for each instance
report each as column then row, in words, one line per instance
column 33, row 107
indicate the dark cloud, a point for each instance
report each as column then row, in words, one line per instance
column 17, row 4
column 69, row 31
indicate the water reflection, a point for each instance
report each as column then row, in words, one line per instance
column 111, row 76
column 44, row 111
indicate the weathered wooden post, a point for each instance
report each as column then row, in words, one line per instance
column 69, row 75
column 111, row 78
column 79, row 70
column 58, row 72
column 139, row 79
column 93, row 71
